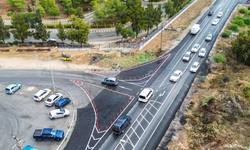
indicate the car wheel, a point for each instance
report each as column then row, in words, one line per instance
column 65, row 116
column 57, row 139
column 53, row 118
column 39, row 139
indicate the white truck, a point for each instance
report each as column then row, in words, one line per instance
column 195, row 29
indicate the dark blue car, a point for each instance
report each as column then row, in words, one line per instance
column 48, row 134
column 62, row 102
column 121, row 124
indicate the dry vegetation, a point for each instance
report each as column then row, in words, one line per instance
column 218, row 110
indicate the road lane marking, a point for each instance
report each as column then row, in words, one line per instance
column 162, row 94
column 125, row 88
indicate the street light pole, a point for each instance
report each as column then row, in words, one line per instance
column 51, row 70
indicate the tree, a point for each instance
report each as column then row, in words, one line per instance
column 80, row 34
column 42, row 11
column 240, row 48
column 4, row 31
column 33, row 2
column 168, row 6
column 71, row 35
column 9, row 13
column 54, row 11
column 121, row 13
column 19, row 4
column 42, row 3
column 124, row 32
column 79, row 12
column 150, row 16
column 30, row 18
column 29, row 9
column 109, row 9
column 99, row 13
column 41, row 33
column 138, row 18
column 157, row 14
column 21, row 27
column 62, row 35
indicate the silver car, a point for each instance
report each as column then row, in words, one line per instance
column 215, row 22
column 202, row 52
column 52, row 99
column 209, row 37
column 58, row 113
column 187, row 56
column 219, row 14
column 195, row 48
column 176, row 76
column 194, row 67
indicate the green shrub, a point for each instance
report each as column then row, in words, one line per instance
column 12, row 9
column 10, row 26
column 248, row 7
column 57, row 25
column 226, row 33
column 67, row 25
column 49, row 25
column 234, row 27
column 30, row 42
column 243, row 10
column 246, row 92
column 1, row 42
column 15, row 42
column 247, row 20
column 239, row 22
column 218, row 58
column 204, row 101
column 101, row 26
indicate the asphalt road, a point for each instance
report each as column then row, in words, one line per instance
column 146, row 118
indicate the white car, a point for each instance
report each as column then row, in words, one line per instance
column 195, row 48
column 215, row 22
column 145, row 94
column 202, row 52
column 176, row 76
column 194, row 67
column 187, row 56
column 58, row 113
column 52, row 99
column 220, row 14
column 40, row 95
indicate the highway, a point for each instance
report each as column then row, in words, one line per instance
column 142, row 133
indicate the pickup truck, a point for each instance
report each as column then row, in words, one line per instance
column 48, row 134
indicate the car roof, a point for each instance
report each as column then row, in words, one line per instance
column 188, row 52
column 120, row 121
column 196, row 63
column 145, row 91
column 196, row 44
column 56, row 110
column 177, row 71
column 39, row 92
column 54, row 95
column 11, row 85
column 47, row 130
column 111, row 78
column 62, row 100
column 28, row 147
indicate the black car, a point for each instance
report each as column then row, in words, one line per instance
column 210, row 13
column 121, row 124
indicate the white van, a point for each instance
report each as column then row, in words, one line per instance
column 145, row 94
column 40, row 95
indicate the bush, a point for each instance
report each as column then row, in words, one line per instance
column 30, row 42
column 10, row 26
column 101, row 26
column 1, row 42
column 248, row 7
column 204, row 101
column 239, row 21
column 49, row 25
column 246, row 92
column 234, row 27
column 247, row 20
column 226, row 33
column 218, row 58
column 15, row 42
column 243, row 10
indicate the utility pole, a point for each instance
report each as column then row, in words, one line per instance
column 17, row 142
column 51, row 69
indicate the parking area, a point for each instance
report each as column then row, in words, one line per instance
column 20, row 115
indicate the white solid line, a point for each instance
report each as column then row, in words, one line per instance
column 148, row 112
column 144, row 118
column 125, row 88
column 135, row 133
column 153, row 106
column 140, row 125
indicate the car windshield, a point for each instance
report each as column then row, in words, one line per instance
column 186, row 55
column 175, row 75
column 215, row 20
column 36, row 96
column 194, row 66
column 62, row 110
column 53, row 132
column 116, row 128
column 7, row 89
column 209, row 35
column 202, row 51
column 105, row 79
column 143, row 97
column 195, row 46
column 49, row 100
